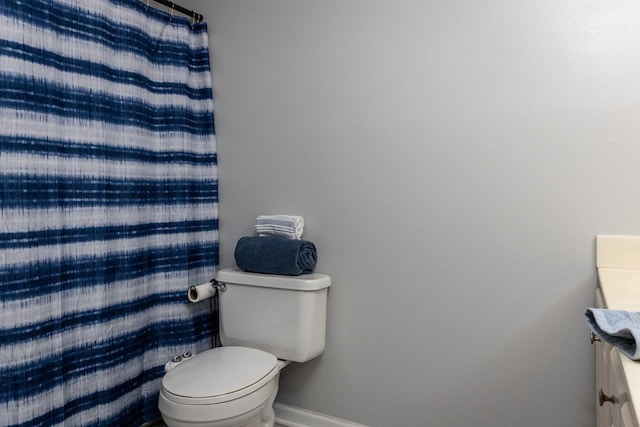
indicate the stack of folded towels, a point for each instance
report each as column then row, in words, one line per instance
column 278, row 248
column 290, row 226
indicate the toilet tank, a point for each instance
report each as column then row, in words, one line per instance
column 283, row 315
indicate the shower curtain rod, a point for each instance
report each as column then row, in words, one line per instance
column 197, row 17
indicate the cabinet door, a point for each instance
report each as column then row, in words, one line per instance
column 626, row 416
column 613, row 408
column 616, row 389
column 607, row 409
column 623, row 413
column 604, row 412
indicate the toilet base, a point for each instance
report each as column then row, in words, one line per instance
column 261, row 416
column 267, row 416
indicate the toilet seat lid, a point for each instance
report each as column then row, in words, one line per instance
column 219, row 371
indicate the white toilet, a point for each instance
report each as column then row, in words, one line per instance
column 266, row 321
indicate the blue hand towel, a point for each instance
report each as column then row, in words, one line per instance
column 275, row 255
column 617, row 327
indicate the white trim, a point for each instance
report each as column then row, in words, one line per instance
column 290, row 416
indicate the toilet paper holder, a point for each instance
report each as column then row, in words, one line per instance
column 219, row 286
column 206, row 290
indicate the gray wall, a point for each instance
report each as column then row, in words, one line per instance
column 453, row 161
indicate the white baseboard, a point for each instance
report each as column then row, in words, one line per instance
column 290, row 416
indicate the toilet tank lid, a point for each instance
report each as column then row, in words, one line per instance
column 305, row 282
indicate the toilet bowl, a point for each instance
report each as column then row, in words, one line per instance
column 266, row 321
column 222, row 387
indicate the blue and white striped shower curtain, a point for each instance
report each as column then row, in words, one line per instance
column 108, row 207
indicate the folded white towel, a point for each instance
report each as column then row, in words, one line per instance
column 291, row 226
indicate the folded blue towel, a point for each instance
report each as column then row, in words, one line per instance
column 617, row 327
column 275, row 255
